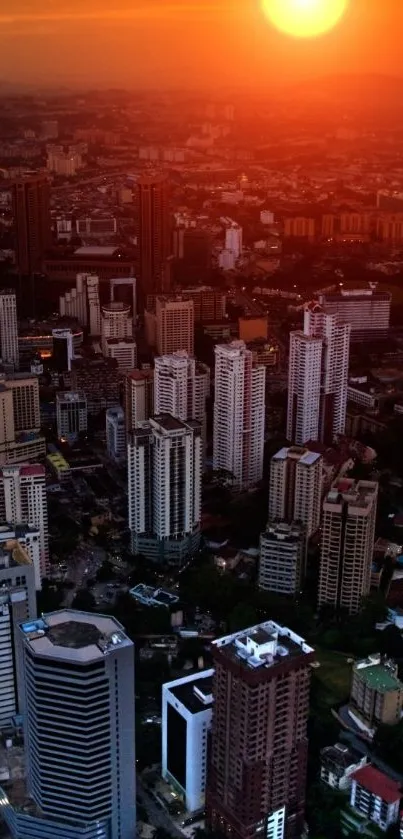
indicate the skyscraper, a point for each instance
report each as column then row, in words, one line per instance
column 181, row 387
column 23, row 501
column 164, row 483
column 8, row 328
column 153, row 233
column 318, row 377
column 79, row 729
column 239, row 410
column 31, row 211
column 348, row 529
column 139, row 397
column 256, row 783
column 295, row 492
column 174, row 325
column 17, row 603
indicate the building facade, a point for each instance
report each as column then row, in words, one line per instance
column 376, row 696
column 257, row 777
column 139, row 397
column 151, row 198
column 31, row 211
column 17, row 603
column 79, row 729
column 366, row 310
column 347, row 544
column 239, row 412
column 295, row 490
column 71, row 415
column 174, row 321
column 23, row 501
column 282, row 557
column 164, row 484
column 116, row 434
column 181, row 387
column 318, row 377
column 9, row 328
column 187, row 707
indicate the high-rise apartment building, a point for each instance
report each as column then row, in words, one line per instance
column 366, row 310
column 295, row 491
column 17, row 603
column 187, row 707
column 30, row 198
column 139, row 397
column 8, row 328
column 71, row 415
column 282, row 557
column 239, row 412
column 318, row 377
column 79, row 730
column 83, row 302
column 98, row 378
column 348, row 531
column 174, row 321
column 20, row 441
column 151, row 198
column 164, row 483
column 258, row 758
column 181, row 387
column 26, row 408
column 117, row 321
column 23, row 501
column 233, row 239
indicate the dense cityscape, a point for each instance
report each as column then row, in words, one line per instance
column 201, row 470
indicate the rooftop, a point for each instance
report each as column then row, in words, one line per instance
column 73, row 636
column 150, row 596
column 341, row 755
column 264, row 645
column 300, row 453
column 196, row 693
column 377, row 783
column 379, row 677
column 96, row 250
column 282, row 531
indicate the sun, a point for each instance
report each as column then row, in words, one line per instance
column 304, row 18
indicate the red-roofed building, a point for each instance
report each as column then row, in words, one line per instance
column 375, row 796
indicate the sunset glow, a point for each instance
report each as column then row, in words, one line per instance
column 304, row 18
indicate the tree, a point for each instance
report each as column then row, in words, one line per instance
column 106, row 572
column 84, row 601
column 388, row 745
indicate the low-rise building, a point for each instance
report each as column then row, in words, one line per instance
column 337, row 765
column 375, row 796
column 376, row 695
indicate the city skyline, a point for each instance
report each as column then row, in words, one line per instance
column 253, row 52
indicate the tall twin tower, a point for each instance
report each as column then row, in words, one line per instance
column 318, row 377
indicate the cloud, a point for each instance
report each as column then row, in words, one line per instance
column 151, row 11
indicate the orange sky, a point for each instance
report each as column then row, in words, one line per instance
column 179, row 43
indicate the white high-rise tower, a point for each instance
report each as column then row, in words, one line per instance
column 8, row 328
column 239, row 413
column 164, row 476
column 318, row 377
column 181, row 387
